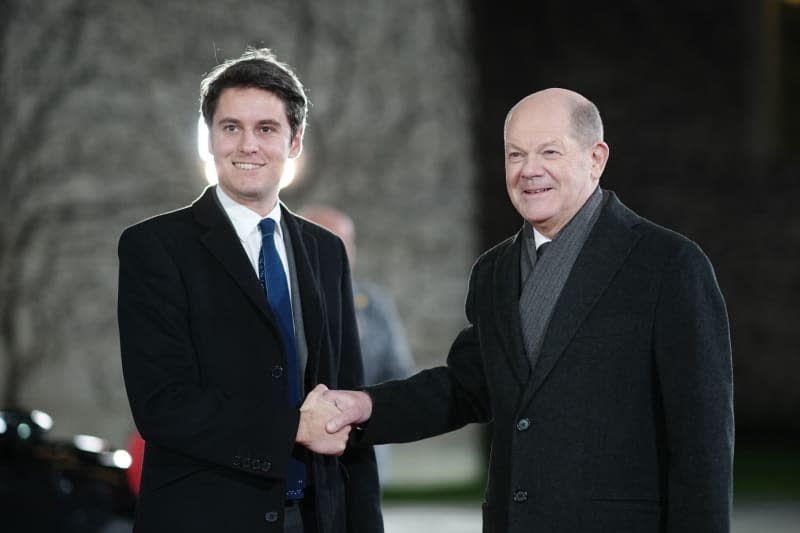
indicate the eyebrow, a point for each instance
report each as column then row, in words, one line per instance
column 266, row 121
column 540, row 146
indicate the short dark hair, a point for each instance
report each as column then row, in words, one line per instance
column 258, row 68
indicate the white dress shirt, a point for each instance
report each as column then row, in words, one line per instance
column 538, row 238
column 245, row 222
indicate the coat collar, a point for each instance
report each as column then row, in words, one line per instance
column 506, row 288
column 221, row 240
column 605, row 250
column 307, row 265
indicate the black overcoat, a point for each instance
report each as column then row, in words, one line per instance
column 204, row 371
column 626, row 422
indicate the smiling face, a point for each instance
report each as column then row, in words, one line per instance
column 549, row 173
column 251, row 141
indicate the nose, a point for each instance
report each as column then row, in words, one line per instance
column 531, row 168
column 248, row 143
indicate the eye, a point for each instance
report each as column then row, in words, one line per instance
column 514, row 156
column 229, row 127
column 267, row 129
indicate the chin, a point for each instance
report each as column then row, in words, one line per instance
column 534, row 216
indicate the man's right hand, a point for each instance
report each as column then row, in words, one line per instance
column 355, row 407
column 311, row 432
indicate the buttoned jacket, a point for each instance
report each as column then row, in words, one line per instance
column 205, row 375
column 626, row 422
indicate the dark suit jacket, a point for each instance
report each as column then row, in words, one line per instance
column 204, row 371
column 625, row 424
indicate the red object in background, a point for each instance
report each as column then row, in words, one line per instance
column 136, row 449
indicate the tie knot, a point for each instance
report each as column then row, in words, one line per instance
column 267, row 226
column 541, row 249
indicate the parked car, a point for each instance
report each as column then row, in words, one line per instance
column 79, row 485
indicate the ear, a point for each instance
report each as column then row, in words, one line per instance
column 600, row 153
column 296, row 146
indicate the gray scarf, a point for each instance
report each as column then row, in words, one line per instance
column 543, row 278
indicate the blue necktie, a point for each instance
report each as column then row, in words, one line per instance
column 273, row 279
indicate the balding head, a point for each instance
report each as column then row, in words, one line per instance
column 336, row 222
column 584, row 117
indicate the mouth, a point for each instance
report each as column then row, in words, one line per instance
column 538, row 190
column 248, row 166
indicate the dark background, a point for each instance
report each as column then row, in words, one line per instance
column 701, row 106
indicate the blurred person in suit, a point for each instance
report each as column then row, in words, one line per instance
column 384, row 346
column 597, row 344
column 229, row 311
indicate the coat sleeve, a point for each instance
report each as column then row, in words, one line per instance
column 693, row 357
column 173, row 404
column 435, row 400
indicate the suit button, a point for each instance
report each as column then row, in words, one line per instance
column 271, row 516
column 520, row 496
column 237, row 461
column 523, row 424
column 277, row 371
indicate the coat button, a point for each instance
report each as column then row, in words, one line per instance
column 523, row 424
column 520, row 496
column 271, row 516
column 277, row 371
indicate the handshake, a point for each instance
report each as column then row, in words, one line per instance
column 327, row 417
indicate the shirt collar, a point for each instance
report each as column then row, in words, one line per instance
column 538, row 238
column 584, row 214
column 244, row 219
column 532, row 234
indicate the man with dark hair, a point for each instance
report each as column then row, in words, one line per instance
column 229, row 311
column 604, row 361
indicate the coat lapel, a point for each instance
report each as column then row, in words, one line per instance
column 603, row 253
column 307, row 266
column 506, row 288
column 223, row 243
column 221, row 240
